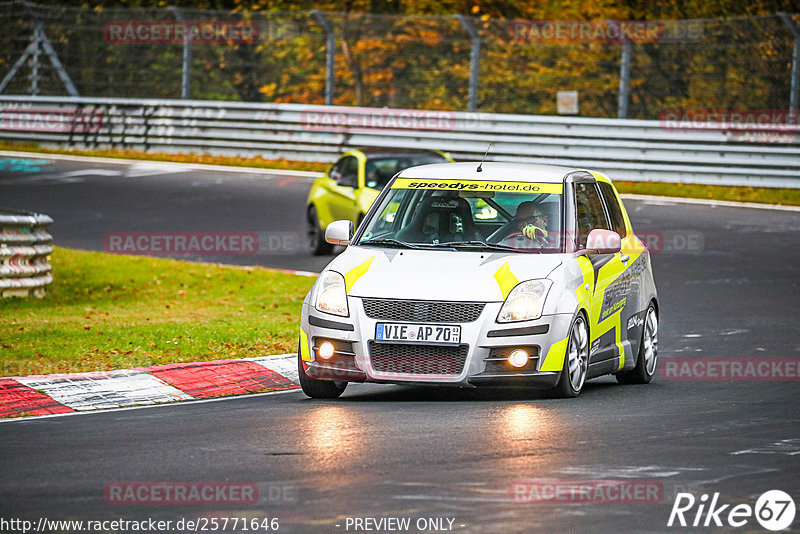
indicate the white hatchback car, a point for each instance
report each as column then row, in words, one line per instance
column 492, row 274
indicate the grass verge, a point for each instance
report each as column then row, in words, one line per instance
column 763, row 195
column 106, row 311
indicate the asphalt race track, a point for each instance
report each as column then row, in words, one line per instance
column 728, row 287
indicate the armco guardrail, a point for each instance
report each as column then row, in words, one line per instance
column 25, row 247
column 625, row 149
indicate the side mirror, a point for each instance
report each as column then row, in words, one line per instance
column 603, row 241
column 340, row 232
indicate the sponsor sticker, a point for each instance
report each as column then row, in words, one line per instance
column 477, row 186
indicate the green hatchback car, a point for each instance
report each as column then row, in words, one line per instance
column 353, row 183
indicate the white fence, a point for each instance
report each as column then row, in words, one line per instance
column 667, row 151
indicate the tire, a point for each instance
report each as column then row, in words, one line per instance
column 647, row 359
column 576, row 360
column 318, row 389
column 316, row 235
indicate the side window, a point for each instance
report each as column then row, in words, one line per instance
column 345, row 172
column 349, row 172
column 336, row 171
column 589, row 212
column 614, row 209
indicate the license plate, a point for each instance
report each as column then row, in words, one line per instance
column 418, row 333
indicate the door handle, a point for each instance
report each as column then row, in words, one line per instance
column 624, row 258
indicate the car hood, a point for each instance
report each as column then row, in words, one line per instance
column 438, row 274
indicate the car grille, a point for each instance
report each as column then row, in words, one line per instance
column 408, row 358
column 428, row 311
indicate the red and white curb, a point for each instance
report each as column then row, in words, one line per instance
column 64, row 393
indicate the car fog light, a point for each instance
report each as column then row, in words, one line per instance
column 518, row 358
column 325, row 350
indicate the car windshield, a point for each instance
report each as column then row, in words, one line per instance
column 467, row 214
column 379, row 170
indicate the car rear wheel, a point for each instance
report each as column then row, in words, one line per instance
column 647, row 358
column 318, row 389
column 316, row 235
column 576, row 360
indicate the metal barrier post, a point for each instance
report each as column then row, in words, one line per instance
column 794, row 91
column 186, row 68
column 624, row 80
column 330, row 54
column 474, row 61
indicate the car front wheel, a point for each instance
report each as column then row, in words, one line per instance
column 318, row 389
column 576, row 360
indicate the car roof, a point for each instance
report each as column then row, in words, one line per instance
column 373, row 152
column 491, row 170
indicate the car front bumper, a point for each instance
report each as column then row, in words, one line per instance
column 479, row 360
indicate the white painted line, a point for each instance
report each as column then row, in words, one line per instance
column 270, row 269
column 152, row 168
column 102, row 390
column 706, row 202
column 191, row 402
column 185, row 166
column 285, row 365
column 90, row 172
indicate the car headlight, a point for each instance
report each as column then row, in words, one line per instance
column 331, row 294
column 525, row 302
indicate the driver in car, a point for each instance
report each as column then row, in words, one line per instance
column 531, row 221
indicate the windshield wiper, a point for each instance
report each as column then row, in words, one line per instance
column 484, row 244
column 387, row 241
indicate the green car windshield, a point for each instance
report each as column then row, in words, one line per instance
column 379, row 170
column 468, row 214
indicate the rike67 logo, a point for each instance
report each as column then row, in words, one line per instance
column 774, row 510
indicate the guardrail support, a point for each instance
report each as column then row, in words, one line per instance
column 474, row 61
column 25, row 247
column 624, row 80
column 794, row 91
column 330, row 54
